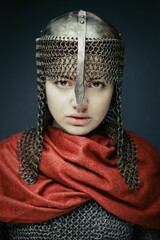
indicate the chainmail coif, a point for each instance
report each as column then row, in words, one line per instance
column 57, row 57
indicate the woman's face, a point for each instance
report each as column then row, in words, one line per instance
column 63, row 107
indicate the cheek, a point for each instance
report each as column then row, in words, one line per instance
column 56, row 103
column 52, row 104
column 103, row 109
column 50, row 97
column 101, row 104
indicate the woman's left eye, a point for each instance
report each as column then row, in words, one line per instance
column 97, row 84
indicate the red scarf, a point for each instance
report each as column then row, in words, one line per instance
column 74, row 169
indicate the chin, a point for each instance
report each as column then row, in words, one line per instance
column 78, row 130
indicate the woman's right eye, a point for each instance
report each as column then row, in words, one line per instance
column 64, row 83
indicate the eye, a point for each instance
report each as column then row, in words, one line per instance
column 96, row 84
column 64, row 83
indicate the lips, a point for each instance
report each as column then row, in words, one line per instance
column 78, row 120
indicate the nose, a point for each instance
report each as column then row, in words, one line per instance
column 84, row 104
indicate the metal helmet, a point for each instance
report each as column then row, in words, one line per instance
column 80, row 46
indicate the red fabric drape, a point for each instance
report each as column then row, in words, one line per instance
column 74, row 169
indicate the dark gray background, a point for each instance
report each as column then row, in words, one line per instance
column 139, row 24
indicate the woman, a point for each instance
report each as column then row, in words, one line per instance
column 81, row 176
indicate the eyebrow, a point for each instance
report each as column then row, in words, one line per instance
column 100, row 78
column 65, row 78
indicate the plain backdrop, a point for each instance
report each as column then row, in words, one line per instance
column 139, row 24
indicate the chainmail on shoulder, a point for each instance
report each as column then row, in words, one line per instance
column 89, row 221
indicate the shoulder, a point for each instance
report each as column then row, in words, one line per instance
column 10, row 143
column 148, row 165
column 145, row 150
column 142, row 143
column 9, row 162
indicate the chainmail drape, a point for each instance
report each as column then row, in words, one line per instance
column 56, row 59
column 89, row 221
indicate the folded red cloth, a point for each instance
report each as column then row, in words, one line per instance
column 74, row 169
